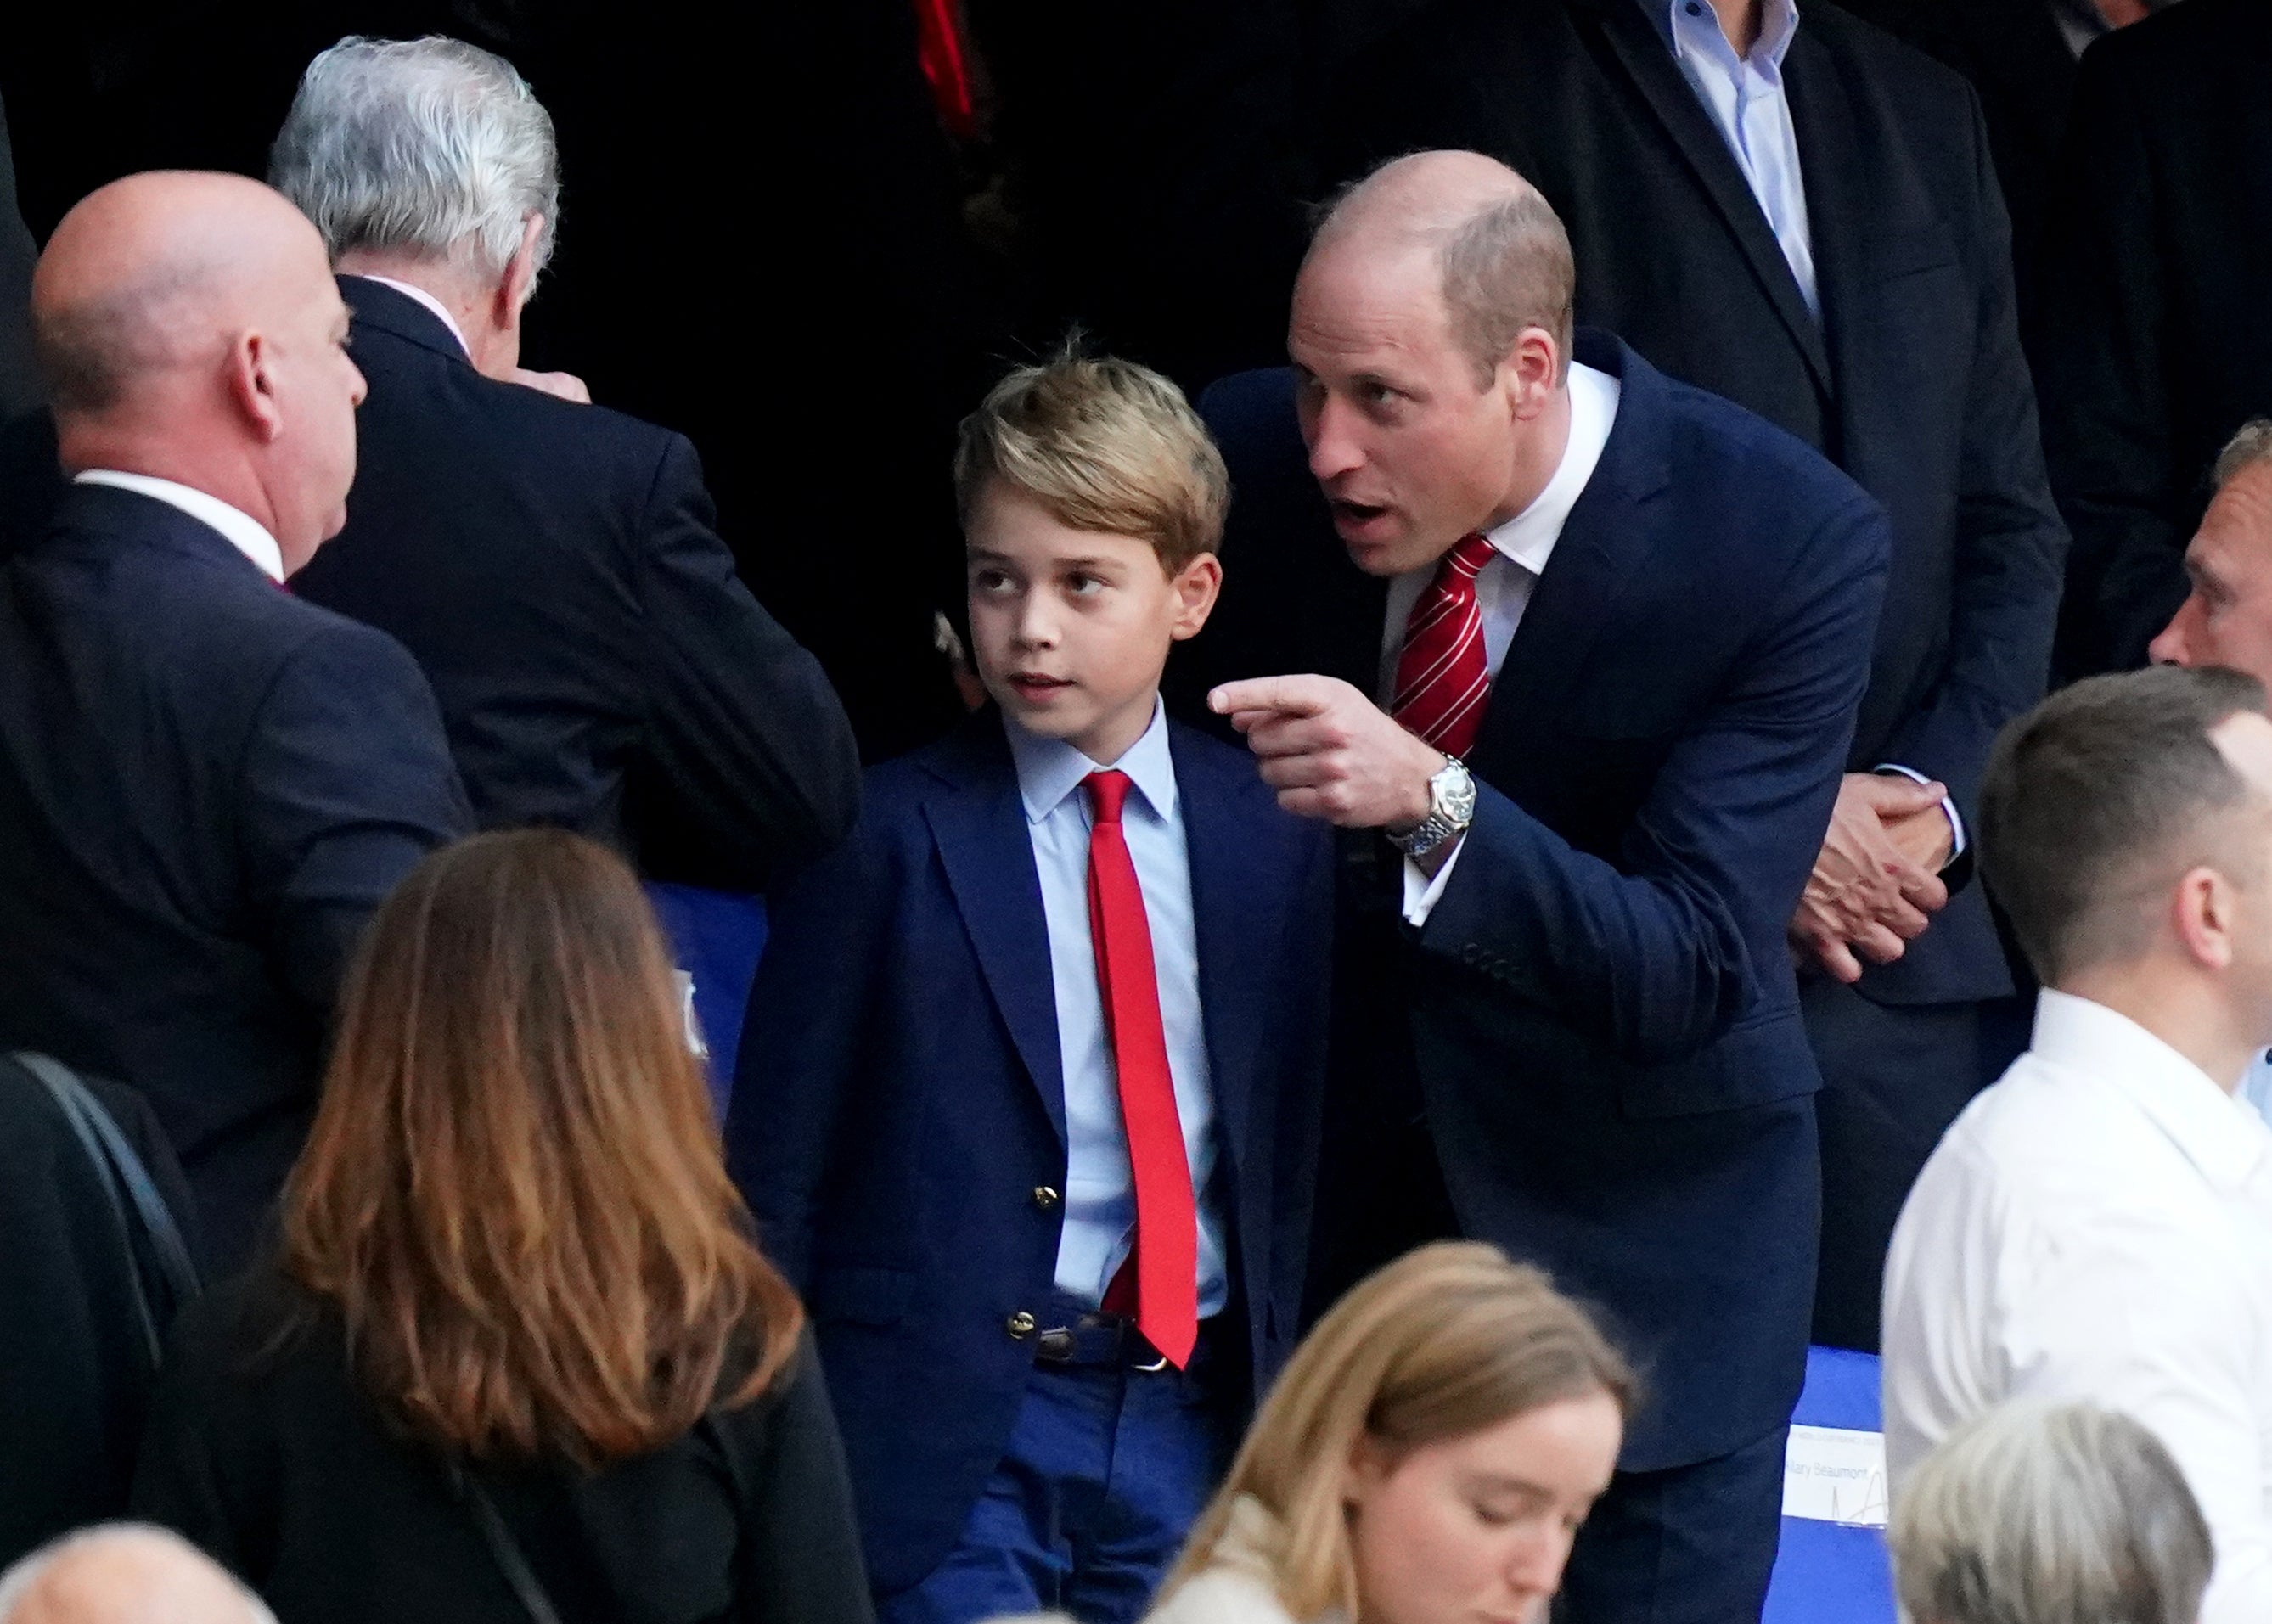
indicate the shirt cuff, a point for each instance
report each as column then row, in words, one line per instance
column 1956, row 818
column 1420, row 893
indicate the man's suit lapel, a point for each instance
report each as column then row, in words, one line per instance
column 1608, row 532
column 1625, row 35
column 978, row 823
column 1231, row 890
column 1847, row 205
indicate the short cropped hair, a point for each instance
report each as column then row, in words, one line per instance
column 2252, row 446
column 2099, row 798
column 1100, row 444
column 429, row 147
column 2057, row 1515
column 1509, row 266
column 1506, row 267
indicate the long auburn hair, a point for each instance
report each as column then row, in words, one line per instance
column 513, row 1194
column 1449, row 1339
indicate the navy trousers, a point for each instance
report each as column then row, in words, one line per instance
column 1689, row 1544
column 1107, row 1468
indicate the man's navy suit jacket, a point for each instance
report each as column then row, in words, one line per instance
column 555, row 570
column 1912, row 380
column 206, row 786
column 1600, row 1007
column 900, row 1103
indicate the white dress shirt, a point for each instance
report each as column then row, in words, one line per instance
column 408, row 291
column 1503, row 585
column 243, row 532
column 2098, row 1226
column 1747, row 102
column 1100, row 1193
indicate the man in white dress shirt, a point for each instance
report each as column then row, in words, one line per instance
column 2098, row 1224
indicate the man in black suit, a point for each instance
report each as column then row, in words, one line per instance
column 205, row 784
column 2161, row 228
column 550, row 563
column 1833, row 256
column 1589, row 655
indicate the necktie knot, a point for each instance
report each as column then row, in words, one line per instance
column 1108, row 792
column 1466, row 559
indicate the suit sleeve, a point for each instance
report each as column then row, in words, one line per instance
column 348, row 782
column 801, row 1544
column 748, row 743
column 803, row 1043
column 1649, row 954
column 2010, row 546
column 2109, row 416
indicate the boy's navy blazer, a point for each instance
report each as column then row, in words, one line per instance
column 898, row 1119
column 1600, row 1009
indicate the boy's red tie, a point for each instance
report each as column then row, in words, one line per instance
column 1166, row 1257
column 1443, row 680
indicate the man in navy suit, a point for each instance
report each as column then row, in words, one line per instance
column 1618, row 629
column 553, row 565
column 205, row 784
column 1028, row 1099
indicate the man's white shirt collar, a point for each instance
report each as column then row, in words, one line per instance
column 244, row 532
column 410, row 291
column 1048, row 770
column 1528, row 538
column 2223, row 1136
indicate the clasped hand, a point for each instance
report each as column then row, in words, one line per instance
column 1330, row 752
column 1876, row 883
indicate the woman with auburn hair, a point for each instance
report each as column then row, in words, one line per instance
column 1426, row 1457
column 517, row 1356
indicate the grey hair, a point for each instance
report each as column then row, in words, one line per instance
column 19, row 1580
column 430, row 147
column 2040, row 1514
column 2252, row 446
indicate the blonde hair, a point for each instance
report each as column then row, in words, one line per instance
column 2040, row 1514
column 1445, row 1342
column 1101, row 444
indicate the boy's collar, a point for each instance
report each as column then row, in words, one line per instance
column 1048, row 770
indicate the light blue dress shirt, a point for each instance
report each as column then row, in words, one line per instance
column 1745, row 97
column 1750, row 108
column 1100, row 1193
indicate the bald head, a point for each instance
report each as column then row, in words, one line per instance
column 1498, row 247
column 161, row 272
column 124, row 1573
column 190, row 329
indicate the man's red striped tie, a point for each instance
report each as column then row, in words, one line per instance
column 1166, row 1258
column 1443, row 681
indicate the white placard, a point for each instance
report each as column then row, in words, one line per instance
column 1831, row 1474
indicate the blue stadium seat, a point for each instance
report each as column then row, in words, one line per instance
column 716, row 938
column 1834, row 1571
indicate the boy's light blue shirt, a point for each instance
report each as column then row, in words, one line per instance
column 1099, row 1197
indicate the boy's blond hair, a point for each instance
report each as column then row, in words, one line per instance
column 1102, row 444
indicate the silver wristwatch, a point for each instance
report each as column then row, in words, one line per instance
column 1451, row 808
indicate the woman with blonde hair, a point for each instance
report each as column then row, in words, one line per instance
column 517, row 1357
column 1427, row 1456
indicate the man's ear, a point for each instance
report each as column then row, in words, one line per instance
column 248, row 376
column 518, row 285
column 2205, row 911
column 1531, row 372
column 1195, row 587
